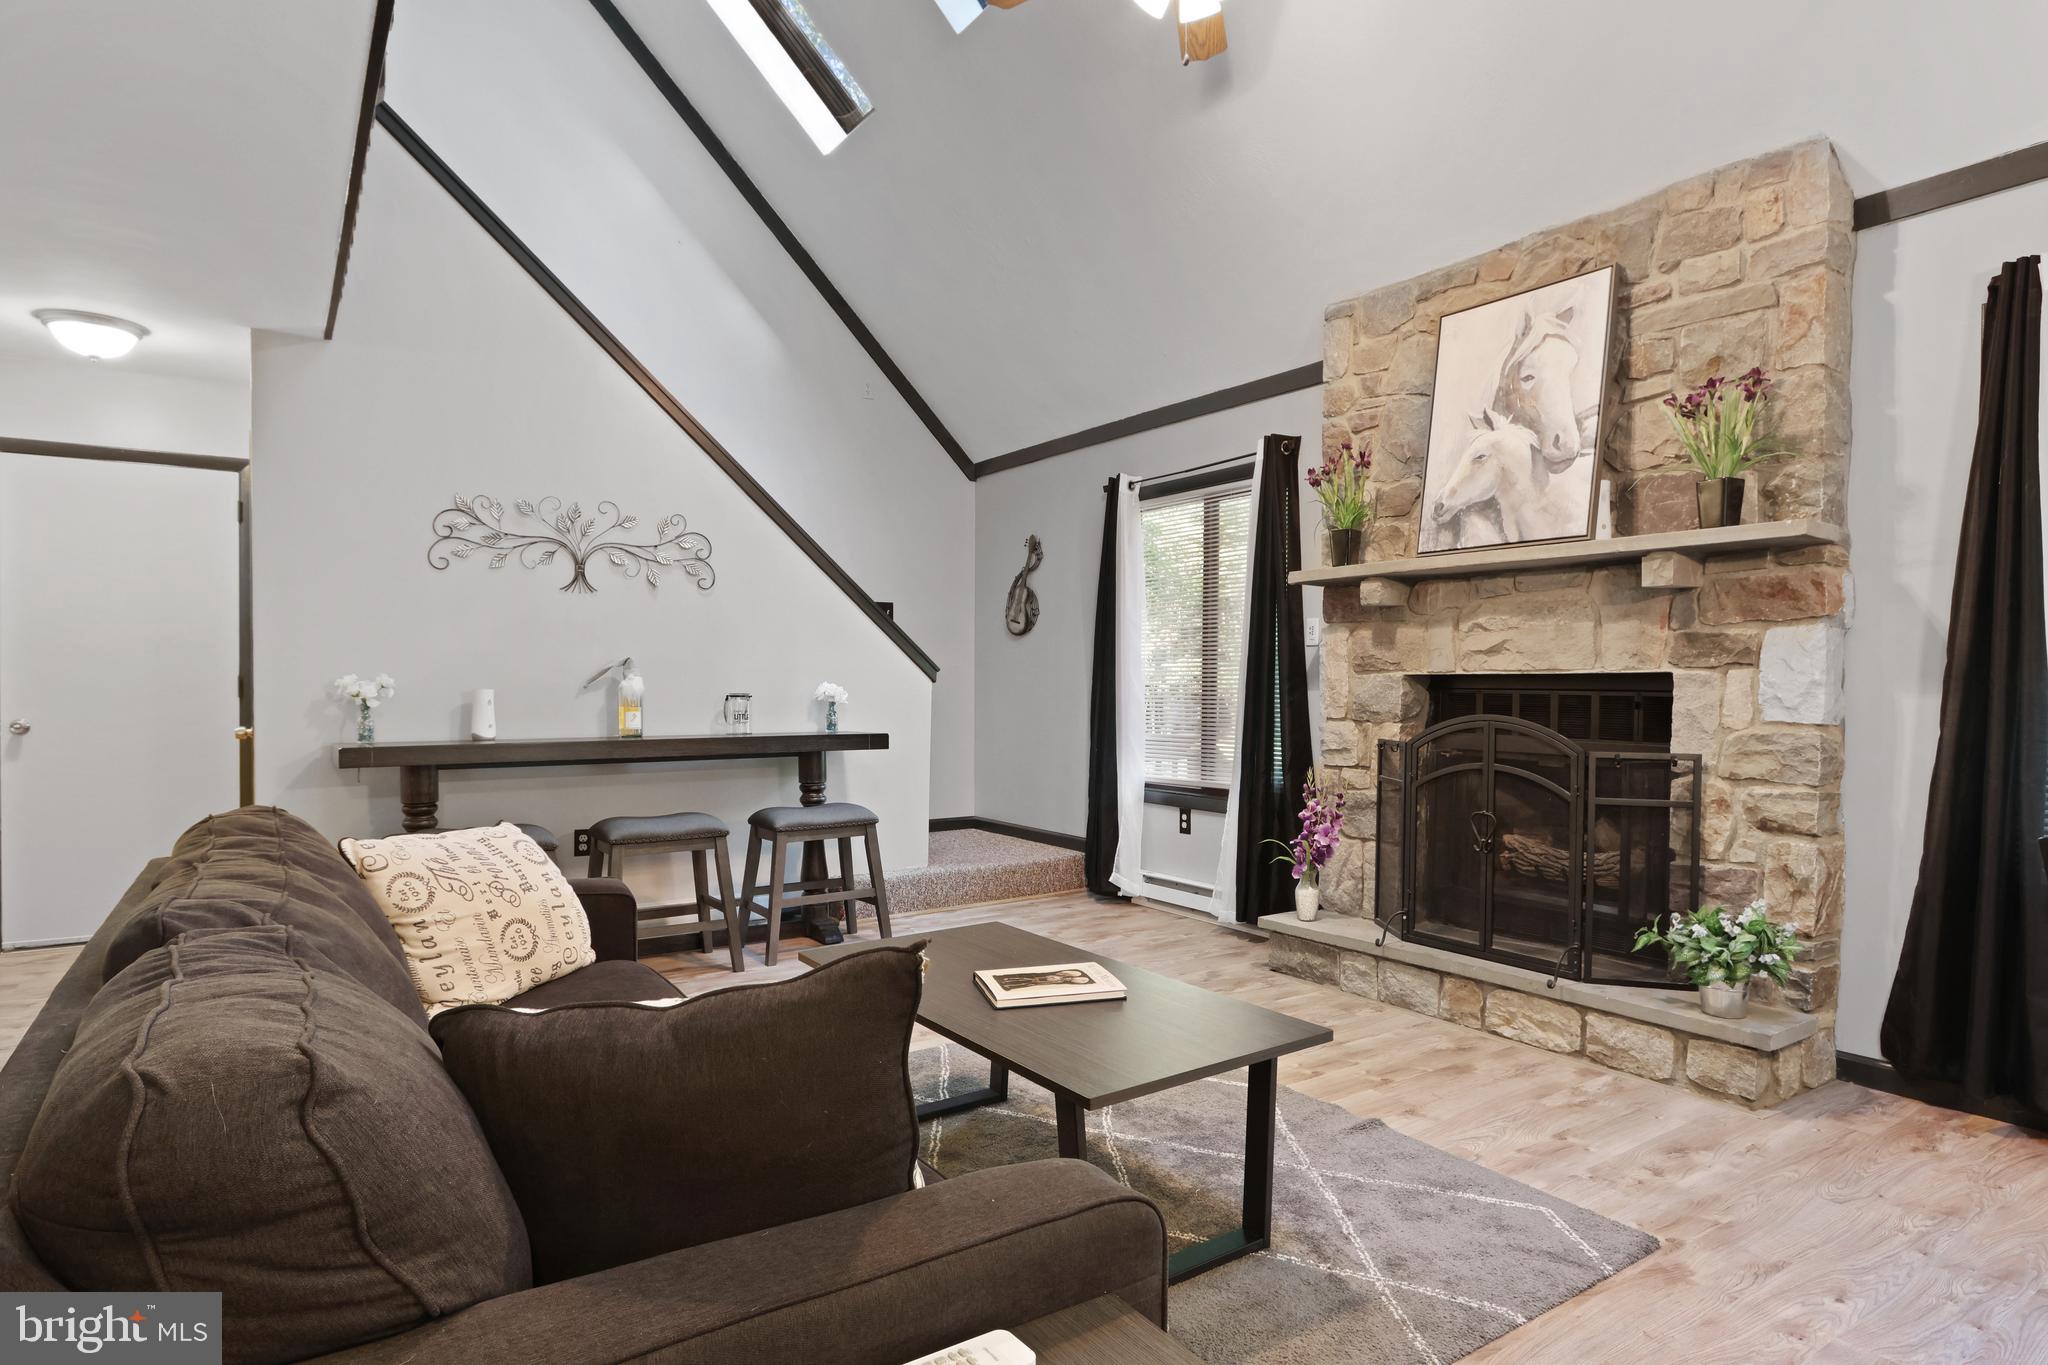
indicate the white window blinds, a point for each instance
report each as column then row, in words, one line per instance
column 1196, row 550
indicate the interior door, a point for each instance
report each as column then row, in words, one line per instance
column 119, row 654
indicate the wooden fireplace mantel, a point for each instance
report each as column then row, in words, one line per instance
column 1670, row 559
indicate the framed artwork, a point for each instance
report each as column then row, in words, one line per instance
column 1515, row 418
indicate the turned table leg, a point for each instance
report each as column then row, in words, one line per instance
column 819, row 921
column 419, row 796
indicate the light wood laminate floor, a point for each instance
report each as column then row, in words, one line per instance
column 1846, row 1226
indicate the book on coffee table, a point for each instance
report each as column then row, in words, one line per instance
column 1065, row 983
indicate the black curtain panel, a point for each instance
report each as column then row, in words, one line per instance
column 1276, row 752
column 1969, row 1006
column 1099, row 858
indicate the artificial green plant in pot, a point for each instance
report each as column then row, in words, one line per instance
column 1349, row 508
column 1721, row 424
column 1721, row 953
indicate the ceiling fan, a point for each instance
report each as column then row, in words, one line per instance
column 1201, row 25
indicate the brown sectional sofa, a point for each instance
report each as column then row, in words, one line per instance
column 254, row 950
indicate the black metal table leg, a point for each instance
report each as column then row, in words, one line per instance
column 995, row 1092
column 1261, row 1117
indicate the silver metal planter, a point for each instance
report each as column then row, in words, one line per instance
column 1720, row 1000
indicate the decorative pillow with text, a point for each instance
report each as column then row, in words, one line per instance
column 483, row 914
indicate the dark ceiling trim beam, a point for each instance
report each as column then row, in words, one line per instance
column 1222, row 400
column 73, row 450
column 1959, row 186
column 373, row 90
column 772, row 220
column 552, row 285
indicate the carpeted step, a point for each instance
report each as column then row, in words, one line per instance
column 969, row 866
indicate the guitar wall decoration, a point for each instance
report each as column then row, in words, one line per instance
column 476, row 526
column 1020, row 613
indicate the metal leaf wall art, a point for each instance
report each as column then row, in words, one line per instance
column 476, row 526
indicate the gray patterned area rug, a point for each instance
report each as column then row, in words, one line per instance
column 1385, row 1249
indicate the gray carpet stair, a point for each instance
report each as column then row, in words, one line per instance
column 970, row 865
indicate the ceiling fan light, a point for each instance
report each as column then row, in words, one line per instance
column 1156, row 8
column 95, row 336
column 1193, row 11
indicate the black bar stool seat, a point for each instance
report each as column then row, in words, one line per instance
column 842, row 821
column 703, row 838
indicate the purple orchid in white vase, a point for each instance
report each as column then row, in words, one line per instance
column 1322, row 815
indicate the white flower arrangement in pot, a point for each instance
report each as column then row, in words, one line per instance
column 367, row 694
column 832, row 694
column 1720, row 953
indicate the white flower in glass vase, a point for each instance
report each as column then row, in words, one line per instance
column 832, row 694
column 367, row 694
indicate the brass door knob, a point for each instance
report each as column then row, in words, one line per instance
column 244, row 733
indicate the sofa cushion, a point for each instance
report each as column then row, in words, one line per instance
column 482, row 914
column 261, row 865
column 627, row 1131
column 231, row 1118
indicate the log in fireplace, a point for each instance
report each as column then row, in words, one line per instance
column 1540, row 820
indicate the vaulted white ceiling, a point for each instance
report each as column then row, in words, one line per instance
column 181, row 164
column 1050, row 223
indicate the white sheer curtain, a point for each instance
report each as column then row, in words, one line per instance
column 1223, row 901
column 1130, row 690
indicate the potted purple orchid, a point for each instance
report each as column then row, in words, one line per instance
column 1322, row 814
column 1349, row 509
column 1721, row 425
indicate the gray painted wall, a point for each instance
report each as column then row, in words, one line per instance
column 541, row 111
column 1919, row 296
column 455, row 374
column 1031, row 730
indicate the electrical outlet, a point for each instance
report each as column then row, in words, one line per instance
column 582, row 844
column 1187, row 820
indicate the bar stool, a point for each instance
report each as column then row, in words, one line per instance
column 702, row 837
column 843, row 821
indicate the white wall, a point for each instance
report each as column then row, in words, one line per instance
column 455, row 374
column 47, row 395
column 1919, row 296
column 1052, row 187
column 541, row 111
column 1031, row 732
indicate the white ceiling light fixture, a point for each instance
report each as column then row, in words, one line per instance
column 92, row 335
column 785, row 45
column 1156, row 8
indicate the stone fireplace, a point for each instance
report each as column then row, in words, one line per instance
column 1723, row 652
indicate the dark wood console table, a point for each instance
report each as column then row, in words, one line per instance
column 419, row 764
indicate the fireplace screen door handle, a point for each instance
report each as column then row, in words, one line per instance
column 1482, row 834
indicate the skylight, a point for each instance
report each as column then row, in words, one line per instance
column 786, row 46
column 961, row 13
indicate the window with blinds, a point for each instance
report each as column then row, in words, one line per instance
column 1196, row 552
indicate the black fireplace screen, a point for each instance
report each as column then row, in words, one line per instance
column 1502, row 838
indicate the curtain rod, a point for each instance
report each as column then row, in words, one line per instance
column 1194, row 469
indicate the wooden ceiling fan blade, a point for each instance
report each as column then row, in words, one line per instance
column 1202, row 39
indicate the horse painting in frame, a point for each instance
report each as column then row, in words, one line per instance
column 1523, row 388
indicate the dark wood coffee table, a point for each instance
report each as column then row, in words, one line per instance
column 1165, row 1033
